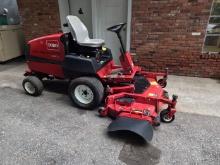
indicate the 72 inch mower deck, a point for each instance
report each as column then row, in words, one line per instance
column 133, row 97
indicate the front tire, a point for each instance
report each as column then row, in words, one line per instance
column 86, row 92
column 33, row 86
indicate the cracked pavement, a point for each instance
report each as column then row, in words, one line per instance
column 50, row 130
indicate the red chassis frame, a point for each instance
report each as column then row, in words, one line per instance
column 129, row 70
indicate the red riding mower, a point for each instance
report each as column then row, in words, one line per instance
column 133, row 97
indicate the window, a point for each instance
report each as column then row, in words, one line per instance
column 212, row 40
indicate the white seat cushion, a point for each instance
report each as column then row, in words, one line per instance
column 80, row 33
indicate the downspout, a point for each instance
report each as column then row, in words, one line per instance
column 69, row 7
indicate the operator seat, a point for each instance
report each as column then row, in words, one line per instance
column 81, row 34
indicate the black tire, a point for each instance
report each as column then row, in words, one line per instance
column 35, row 83
column 162, row 83
column 164, row 118
column 95, row 87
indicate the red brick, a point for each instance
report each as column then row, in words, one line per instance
column 39, row 17
column 165, row 27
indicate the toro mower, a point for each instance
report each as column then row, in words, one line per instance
column 133, row 97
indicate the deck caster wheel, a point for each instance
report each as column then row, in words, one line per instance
column 33, row 85
column 162, row 83
column 164, row 116
column 86, row 92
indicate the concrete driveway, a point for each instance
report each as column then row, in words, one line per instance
column 50, row 130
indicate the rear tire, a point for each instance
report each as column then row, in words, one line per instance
column 86, row 92
column 33, row 86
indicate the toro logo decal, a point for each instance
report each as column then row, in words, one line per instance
column 52, row 44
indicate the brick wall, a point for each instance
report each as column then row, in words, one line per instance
column 39, row 17
column 161, row 33
column 162, row 36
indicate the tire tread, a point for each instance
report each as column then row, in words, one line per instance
column 37, row 84
column 96, row 83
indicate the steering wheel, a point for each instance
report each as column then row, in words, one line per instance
column 117, row 28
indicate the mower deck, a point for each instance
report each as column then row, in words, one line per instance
column 138, row 108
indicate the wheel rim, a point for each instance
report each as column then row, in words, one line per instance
column 167, row 118
column 84, row 94
column 29, row 88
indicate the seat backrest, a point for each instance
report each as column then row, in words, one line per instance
column 78, row 29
